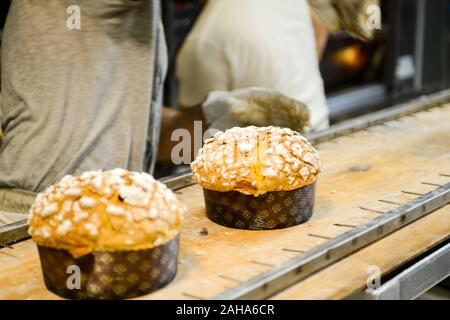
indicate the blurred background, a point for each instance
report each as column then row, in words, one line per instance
column 409, row 57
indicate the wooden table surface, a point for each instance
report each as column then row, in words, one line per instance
column 365, row 174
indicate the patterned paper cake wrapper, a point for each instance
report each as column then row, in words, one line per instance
column 272, row 210
column 109, row 275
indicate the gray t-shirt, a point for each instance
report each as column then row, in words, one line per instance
column 77, row 100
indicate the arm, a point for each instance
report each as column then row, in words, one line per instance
column 243, row 107
column 350, row 15
column 176, row 119
column 196, row 79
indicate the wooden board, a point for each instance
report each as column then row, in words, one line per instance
column 351, row 274
column 365, row 174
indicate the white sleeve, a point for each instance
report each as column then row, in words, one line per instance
column 201, row 68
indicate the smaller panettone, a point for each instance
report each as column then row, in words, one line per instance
column 258, row 178
column 105, row 211
column 255, row 160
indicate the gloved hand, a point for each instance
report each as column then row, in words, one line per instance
column 352, row 15
column 254, row 106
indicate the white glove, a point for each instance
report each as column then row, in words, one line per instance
column 351, row 15
column 254, row 106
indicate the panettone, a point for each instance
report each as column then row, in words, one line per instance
column 256, row 160
column 107, row 211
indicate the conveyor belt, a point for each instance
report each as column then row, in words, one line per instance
column 382, row 171
column 277, row 279
column 384, row 222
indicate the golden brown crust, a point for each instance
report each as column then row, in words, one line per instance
column 105, row 211
column 256, row 160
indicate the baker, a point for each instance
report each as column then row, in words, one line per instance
column 277, row 45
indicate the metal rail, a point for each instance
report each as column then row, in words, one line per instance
column 423, row 103
column 413, row 281
column 180, row 181
column 13, row 232
column 296, row 269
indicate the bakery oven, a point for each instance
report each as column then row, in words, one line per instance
column 408, row 57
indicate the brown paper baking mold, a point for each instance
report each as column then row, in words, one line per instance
column 272, row 210
column 110, row 275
